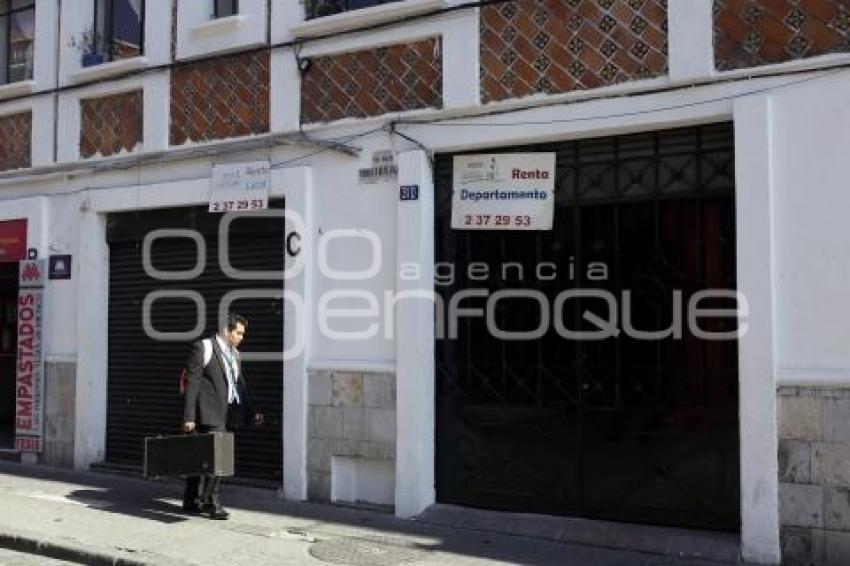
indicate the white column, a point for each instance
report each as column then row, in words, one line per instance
column 285, row 91
column 43, row 116
column 690, row 39
column 756, row 267
column 285, row 88
column 46, row 44
column 156, row 97
column 92, row 268
column 461, row 54
column 415, row 436
column 296, row 186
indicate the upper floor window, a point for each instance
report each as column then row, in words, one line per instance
column 119, row 28
column 17, row 40
column 319, row 8
column 225, row 8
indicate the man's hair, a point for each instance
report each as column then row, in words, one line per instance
column 233, row 319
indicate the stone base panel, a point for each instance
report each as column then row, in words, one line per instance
column 60, row 384
column 814, row 474
column 351, row 437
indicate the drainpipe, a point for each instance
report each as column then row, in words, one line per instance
column 56, row 78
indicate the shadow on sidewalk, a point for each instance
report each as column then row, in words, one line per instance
column 115, row 502
column 150, row 501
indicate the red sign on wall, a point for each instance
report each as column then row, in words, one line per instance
column 29, row 389
column 13, row 240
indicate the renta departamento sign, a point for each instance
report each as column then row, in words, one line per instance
column 29, row 383
column 509, row 191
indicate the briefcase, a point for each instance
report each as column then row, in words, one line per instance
column 189, row 455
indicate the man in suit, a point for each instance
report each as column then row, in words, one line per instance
column 216, row 400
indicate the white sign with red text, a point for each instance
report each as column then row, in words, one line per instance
column 29, row 376
column 240, row 186
column 503, row 191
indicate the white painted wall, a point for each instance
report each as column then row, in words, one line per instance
column 810, row 137
column 91, row 327
column 199, row 34
column 755, row 239
column 44, row 79
column 341, row 203
column 415, row 487
column 62, row 237
column 791, row 146
column 155, row 93
column 79, row 16
column 691, row 42
column 358, row 480
column 46, row 43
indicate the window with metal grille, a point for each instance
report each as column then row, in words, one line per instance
column 17, row 40
column 319, row 8
column 119, row 28
column 225, row 8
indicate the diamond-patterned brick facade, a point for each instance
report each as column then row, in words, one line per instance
column 749, row 33
column 373, row 82
column 111, row 124
column 226, row 97
column 15, row 141
column 555, row 46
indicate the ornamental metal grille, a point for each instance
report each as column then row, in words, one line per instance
column 621, row 428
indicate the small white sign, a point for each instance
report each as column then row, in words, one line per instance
column 384, row 169
column 509, row 191
column 240, row 186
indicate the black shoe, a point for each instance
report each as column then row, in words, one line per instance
column 218, row 513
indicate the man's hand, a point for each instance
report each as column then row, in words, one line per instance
column 259, row 419
column 188, row 427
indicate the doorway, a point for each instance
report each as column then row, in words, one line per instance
column 620, row 428
column 8, row 346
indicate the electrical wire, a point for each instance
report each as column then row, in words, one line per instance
column 344, row 140
column 278, row 165
column 449, row 121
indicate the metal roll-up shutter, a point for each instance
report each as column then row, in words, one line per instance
column 143, row 393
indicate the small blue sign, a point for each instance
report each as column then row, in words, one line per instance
column 408, row 192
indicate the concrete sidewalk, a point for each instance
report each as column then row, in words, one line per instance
column 95, row 518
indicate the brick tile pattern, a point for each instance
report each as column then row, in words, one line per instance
column 749, row 33
column 111, row 124
column 373, row 82
column 15, row 141
column 226, row 97
column 556, row 46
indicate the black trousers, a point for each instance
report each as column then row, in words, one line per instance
column 203, row 490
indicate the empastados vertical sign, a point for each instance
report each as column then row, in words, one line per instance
column 509, row 191
column 240, row 186
column 29, row 376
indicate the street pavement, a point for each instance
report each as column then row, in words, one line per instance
column 95, row 518
column 12, row 558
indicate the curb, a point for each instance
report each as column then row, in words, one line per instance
column 66, row 552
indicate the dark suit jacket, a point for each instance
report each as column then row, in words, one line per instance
column 206, row 391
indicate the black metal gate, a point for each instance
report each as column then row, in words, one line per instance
column 143, row 393
column 622, row 428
